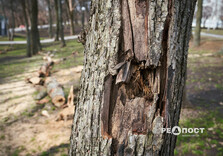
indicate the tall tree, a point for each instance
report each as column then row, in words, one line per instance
column 70, row 8
column 82, row 12
column 12, row 29
column 50, row 19
column 35, row 39
column 28, row 46
column 57, row 20
column 61, row 23
column 3, row 8
column 197, row 34
column 133, row 77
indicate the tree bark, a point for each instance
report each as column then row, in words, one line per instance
column 57, row 20
column 197, row 37
column 35, row 39
column 61, row 23
column 28, row 46
column 12, row 31
column 133, row 78
column 71, row 15
column 50, row 19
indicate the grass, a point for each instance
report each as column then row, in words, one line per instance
column 15, row 62
column 211, row 31
column 205, row 142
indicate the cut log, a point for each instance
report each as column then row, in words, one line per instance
column 35, row 80
column 55, row 92
column 45, row 69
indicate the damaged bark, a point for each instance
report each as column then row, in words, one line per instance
column 133, row 77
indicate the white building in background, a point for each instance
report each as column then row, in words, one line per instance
column 212, row 14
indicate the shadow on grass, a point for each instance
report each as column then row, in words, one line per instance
column 62, row 148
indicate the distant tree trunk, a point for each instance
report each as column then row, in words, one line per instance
column 82, row 13
column 61, row 23
column 12, row 29
column 71, row 15
column 198, row 23
column 35, row 40
column 133, row 77
column 57, row 20
column 4, row 13
column 3, row 8
column 28, row 46
column 50, row 19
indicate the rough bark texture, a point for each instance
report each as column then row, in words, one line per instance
column 133, row 77
column 198, row 23
column 35, row 41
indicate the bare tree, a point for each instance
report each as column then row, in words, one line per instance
column 57, row 20
column 50, row 19
column 197, row 34
column 133, row 77
column 70, row 8
column 61, row 23
column 206, row 13
column 28, row 46
column 35, row 38
column 12, row 27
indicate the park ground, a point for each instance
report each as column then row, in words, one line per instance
column 25, row 131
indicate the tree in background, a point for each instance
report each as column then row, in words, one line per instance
column 133, row 78
column 12, row 28
column 57, row 20
column 28, row 46
column 61, row 23
column 35, row 39
column 206, row 13
column 50, row 18
column 70, row 8
column 197, row 33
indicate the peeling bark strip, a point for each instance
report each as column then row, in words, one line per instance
column 133, row 76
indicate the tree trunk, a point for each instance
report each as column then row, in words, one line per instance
column 197, row 37
column 57, row 20
column 133, row 77
column 50, row 19
column 82, row 12
column 61, row 23
column 12, row 31
column 28, row 47
column 35, row 41
column 71, row 15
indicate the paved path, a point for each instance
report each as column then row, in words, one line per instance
column 42, row 41
column 76, row 36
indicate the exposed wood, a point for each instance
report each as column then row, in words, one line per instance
column 35, row 80
column 43, row 101
column 55, row 91
column 45, row 113
column 44, row 70
column 70, row 98
column 133, row 77
column 66, row 114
